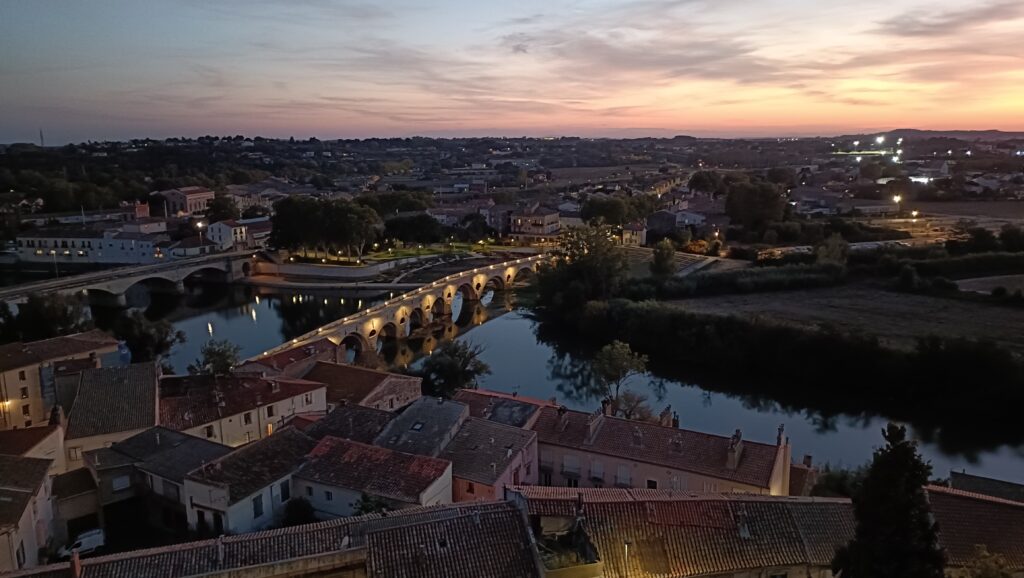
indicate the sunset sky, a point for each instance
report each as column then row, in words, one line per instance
column 103, row 69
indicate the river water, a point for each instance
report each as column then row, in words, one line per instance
column 523, row 362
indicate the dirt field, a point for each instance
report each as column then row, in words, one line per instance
column 897, row 318
column 987, row 284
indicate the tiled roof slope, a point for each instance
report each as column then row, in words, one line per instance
column 114, row 399
column 256, row 465
column 480, row 443
column 670, row 447
column 371, row 469
column 351, row 422
column 281, row 360
column 678, row 535
column 966, row 519
column 500, row 407
column 988, row 486
column 15, row 442
column 19, row 480
column 492, row 542
column 348, row 383
column 168, row 453
column 249, row 551
column 15, row 355
column 191, row 401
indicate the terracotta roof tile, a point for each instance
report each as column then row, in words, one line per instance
column 988, row 486
column 482, row 450
column 192, row 401
column 372, row 470
column 664, row 446
column 348, row 383
column 15, row 355
column 20, row 478
column 966, row 519
column 351, row 422
column 114, row 399
column 16, row 442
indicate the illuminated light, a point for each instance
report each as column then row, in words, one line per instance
column 899, row 151
column 209, row 328
column 257, row 299
column 253, row 314
column 856, row 143
column 859, row 159
column 895, row 159
column 968, row 153
column 880, row 139
column 897, row 198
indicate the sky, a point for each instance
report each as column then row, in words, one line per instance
column 109, row 69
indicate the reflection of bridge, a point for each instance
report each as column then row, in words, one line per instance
column 110, row 285
column 409, row 312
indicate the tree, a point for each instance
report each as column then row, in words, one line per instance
column 50, row 315
column 871, row 171
column 298, row 511
column 784, row 176
column 895, row 535
column 1012, row 238
column 222, row 208
column 663, row 261
column 216, row 358
column 987, row 565
column 368, row 504
column 455, row 365
column 835, row 249
column 607, row 210
column 614, row 364
column 147, row 340
column 634, row 406
column 588, row 266
column 413, row 229
column 705, row 181
column 754, row 204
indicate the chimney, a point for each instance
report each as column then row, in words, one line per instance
column 732, row 458
column 594, row 422
column 677, row 444
column 563, row 418
column 808, row 460
column 494, row 469
column 779, row 437
column 675, row 420
column 638, row 437
column 741, row 525
column 275, row 387
column 76, row 564
column 665, row 417
column 440, row 400
column 515, row 393
column 607, row 408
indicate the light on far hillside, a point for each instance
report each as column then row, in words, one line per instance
column 880, row 139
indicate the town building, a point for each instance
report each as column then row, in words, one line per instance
column 294, row 362
column 534, row 225
column 76, row 506
column 44, row 442
column 27, row 392
column 187, row 201
column 193, row 246
column 339, row 473
column 76, row 247
column 228, row 235
column 594, row 450
column 26, row 512
column 362, row 386
column 238, row 409
column 246, row 490
column 425, row 427
column 351, row 422
column 106, row 405
column 147, row 472
column 487, row 456
column 986, row 486
column 448, row 541
column 634, row 235
column 504, row 408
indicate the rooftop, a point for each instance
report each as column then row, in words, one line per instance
column 20, row 479
column 425, row 427
column 73, row 483
column 281, row 360
column 482, row 450
column 372, row 470
column 349, row 383
column 168, row 453
column 670, row 447
column 499, row 407
column 17, row 355
column 195, row 400
column 966, row 519
column 351, row 422
column 16, row 442
column 113, row 399
column 451, row 541
column 256, row 465
column 987, row 486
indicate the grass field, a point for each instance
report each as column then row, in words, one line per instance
column 991, row 209
column 898, row 319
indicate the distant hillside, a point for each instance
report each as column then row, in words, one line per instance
column 966, row 135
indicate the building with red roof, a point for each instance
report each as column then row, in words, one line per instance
column 363, row 386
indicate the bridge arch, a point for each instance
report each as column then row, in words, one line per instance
column 355, row 345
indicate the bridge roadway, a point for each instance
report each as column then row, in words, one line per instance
column 115, row 282
column 400, row 316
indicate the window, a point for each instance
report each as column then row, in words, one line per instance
column 417, row 426
column 270, row 411
column 247, row 418
column 545, row 478
column 391, row 403
column 572, row 482
column 652, row 484
column 597, row 470
column 470, row 488
column 622, row 478
column 26, row 410
column 28, row 423
column 307, row 399
column 329, row 495
column 257, row 507
column 24, row 393
column 286, row 492
column 121, row 483
column 171, row 490
column 21, row 555
column 74, row 454
column 209, row 431
column 21, row 375
column 309, row 491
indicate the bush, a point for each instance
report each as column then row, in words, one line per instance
column 736, row 281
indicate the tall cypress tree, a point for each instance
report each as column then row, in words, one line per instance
column 896, row 536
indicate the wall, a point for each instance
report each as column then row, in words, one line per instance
column 525, row 463
column 233, row 431
column 238, row 516
column 93, row 443
column 439, row 492
column 639, row 473
column 394, row 393
column 33, row 531
column 51, row 448
column 299, row 270
column 342, row 504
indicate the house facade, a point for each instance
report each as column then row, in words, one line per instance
column 26, row 515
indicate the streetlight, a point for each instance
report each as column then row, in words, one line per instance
column 897, row 199
column 880, row 139
column 200, row 226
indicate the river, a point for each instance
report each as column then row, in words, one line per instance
column 521, row 361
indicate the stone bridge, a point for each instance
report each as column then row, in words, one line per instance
column 403, row 315
column 109, row 286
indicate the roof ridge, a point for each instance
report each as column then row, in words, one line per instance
column 972, row 495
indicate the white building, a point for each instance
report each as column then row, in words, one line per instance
column 86, row 247
column 228, row 234
column 26, row 515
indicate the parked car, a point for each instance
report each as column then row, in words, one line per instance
column 87, row 542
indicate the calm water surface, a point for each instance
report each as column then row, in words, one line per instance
column 522, row 362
